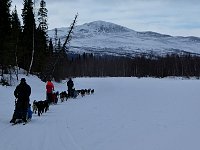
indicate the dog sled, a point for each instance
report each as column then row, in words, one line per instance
column 21, row 115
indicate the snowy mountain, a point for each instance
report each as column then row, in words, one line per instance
column 101, row 37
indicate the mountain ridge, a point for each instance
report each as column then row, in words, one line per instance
column 100, row 37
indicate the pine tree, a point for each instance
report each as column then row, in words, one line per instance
column 5, row 18
column 28, row 17
column 42, row 16
column 28, row 36
column 50, row 49
column 59, row 46
column 5, row 27
column 56, row 40
column 41, row 48
column 15, row 22
column 16, row 32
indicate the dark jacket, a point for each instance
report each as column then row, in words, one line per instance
column 22, row 92
column 70, row 84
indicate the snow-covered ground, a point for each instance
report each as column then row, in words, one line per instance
column 122, row 114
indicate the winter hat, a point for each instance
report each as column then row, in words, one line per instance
column 23, row 80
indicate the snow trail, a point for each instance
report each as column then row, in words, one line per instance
column 123, row 113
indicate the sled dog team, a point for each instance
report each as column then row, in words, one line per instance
column 23, row 112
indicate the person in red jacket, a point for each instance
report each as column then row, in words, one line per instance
column 49, row 89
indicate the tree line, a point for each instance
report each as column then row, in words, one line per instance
column 89, row 65
column 24, row 45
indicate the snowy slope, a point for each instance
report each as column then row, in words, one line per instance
column 101, row 37
column 123, row 114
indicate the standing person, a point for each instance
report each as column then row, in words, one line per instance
column 22, row 94
column 70, row 85
column 49, row 88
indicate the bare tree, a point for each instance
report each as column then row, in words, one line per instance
column 51, row 66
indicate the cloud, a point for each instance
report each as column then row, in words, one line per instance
column 155, row 15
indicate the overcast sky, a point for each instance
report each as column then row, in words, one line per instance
column 174, row 17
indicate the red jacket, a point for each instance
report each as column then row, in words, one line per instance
column 49, row 87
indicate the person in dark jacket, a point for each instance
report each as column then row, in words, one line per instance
column 70, row 85
column 22, row 94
